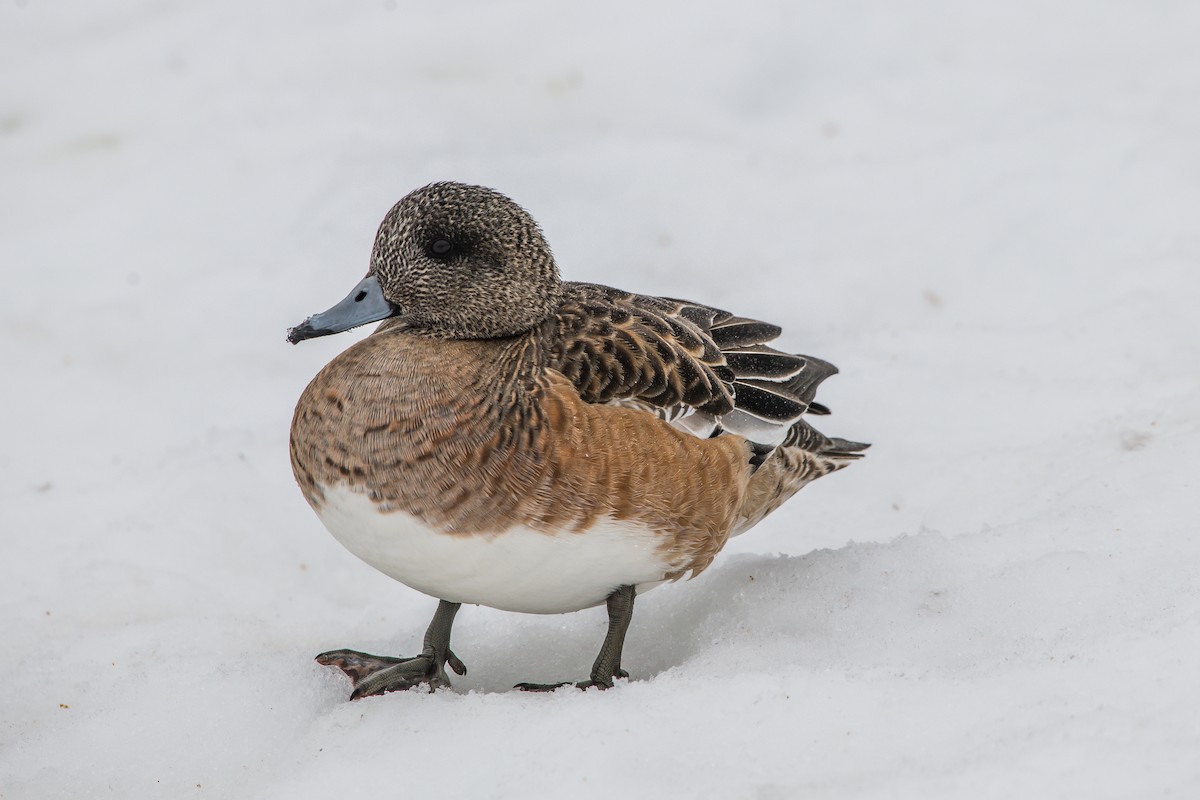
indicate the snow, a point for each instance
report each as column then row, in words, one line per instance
column 985, row 214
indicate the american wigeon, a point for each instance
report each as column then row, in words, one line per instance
column 508, row 439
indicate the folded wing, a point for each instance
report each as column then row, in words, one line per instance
column 701, row 368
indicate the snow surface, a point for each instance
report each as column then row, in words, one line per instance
column 985, row 213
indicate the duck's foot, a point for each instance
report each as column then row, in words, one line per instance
column 372, row 675
column 590, row 683
column 608, row 663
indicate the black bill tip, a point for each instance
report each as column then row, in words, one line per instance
column 364, row 304
column 304, row 331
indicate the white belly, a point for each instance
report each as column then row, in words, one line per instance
column 518, row 570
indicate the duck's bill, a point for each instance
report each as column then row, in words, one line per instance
column 364, row 304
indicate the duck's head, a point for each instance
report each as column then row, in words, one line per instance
column 451, row 260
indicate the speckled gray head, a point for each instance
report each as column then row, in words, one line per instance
column 452, row 260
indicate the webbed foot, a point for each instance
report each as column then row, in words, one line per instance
column 590, row 683
column 608, row 663
column 372, row 675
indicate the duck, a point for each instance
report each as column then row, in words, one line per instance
column 508, row 439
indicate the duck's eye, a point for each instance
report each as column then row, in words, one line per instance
column 440, row 247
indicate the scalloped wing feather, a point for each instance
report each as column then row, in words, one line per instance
column 617, row 346
column 700, row 368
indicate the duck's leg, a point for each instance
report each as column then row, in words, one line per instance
column 379, row 674
column 608, row 662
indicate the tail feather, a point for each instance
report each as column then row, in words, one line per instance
column 807, row 438
column 805, row 455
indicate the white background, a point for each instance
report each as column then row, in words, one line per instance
column 988, row 215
